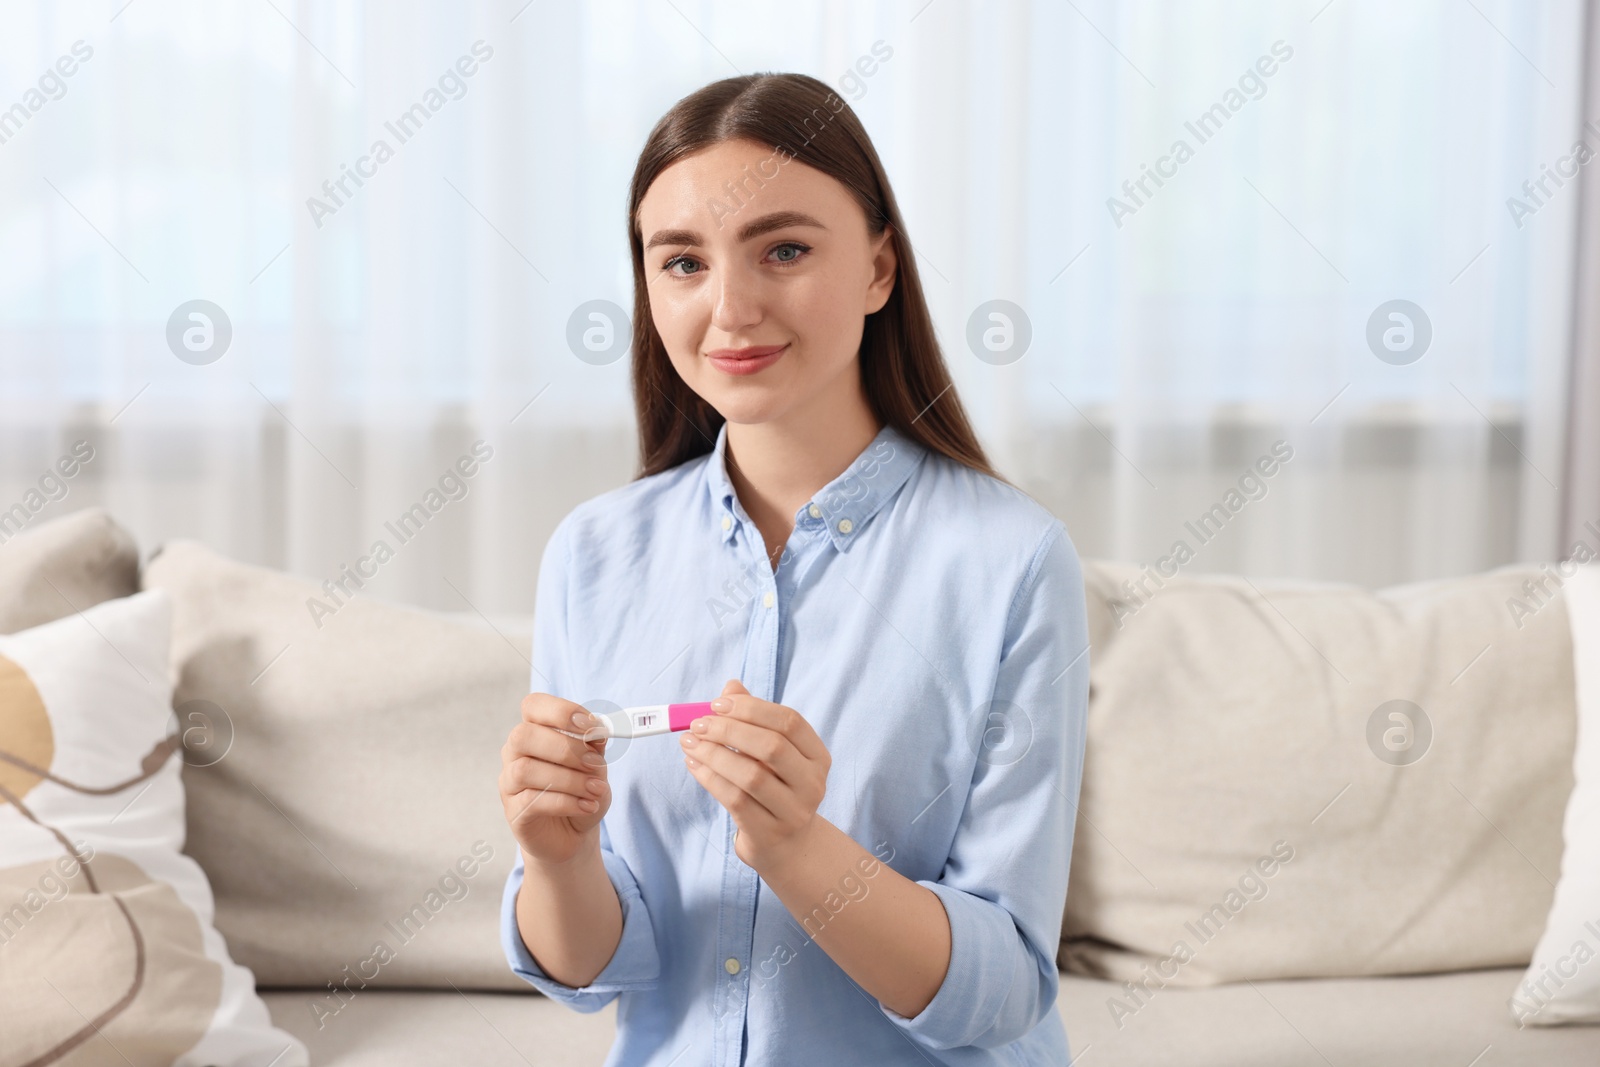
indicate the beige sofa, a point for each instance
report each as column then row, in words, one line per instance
column 1227, row 718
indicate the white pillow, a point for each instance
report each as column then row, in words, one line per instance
column 1562, row 984
column 110, row 951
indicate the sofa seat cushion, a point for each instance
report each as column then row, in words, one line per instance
column 425, row 1028
column 1416, row 1021
column 1431, row 1020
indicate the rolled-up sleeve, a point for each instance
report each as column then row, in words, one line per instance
column 636, row 964
column 1004, row 885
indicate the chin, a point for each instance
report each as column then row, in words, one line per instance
column 748, row 410
column 750, row 406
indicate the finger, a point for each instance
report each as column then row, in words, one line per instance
column 527, row 773
column 540, row 803
column 548, row 710
column 583, row 725
column 769, row 746
column 748, row 811
column 753, row 779
column 548, row 743
column 784, row 720
column 563, row 716
column 588, row 736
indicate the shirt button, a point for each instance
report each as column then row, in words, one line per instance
column 816, row 512
column 730, row 965
column 766, row 601
column 727, row 522
column 845, row 526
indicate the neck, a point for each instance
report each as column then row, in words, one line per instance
column 778, row 465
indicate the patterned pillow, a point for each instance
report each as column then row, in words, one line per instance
column 107, row 950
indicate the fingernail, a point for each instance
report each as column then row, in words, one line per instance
column 699, row 726
column 594, row 759
column 596, row 786
column 582, row 719
column 721, row 704
column 588, row 805
column 690, row 739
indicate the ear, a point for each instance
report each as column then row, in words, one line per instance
column 885, row 267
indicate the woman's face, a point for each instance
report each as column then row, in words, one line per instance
column 761, row 274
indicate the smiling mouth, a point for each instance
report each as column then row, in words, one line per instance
column 741, row 361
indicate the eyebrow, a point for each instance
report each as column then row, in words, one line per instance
column 754, row 228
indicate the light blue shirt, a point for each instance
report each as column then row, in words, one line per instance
column 929, row 623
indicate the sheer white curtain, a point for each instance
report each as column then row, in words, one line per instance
column 1176, row 330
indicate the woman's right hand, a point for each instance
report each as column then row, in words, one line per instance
column 545, row 778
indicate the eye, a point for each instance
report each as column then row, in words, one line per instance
column 796, row 247
column 668, row 265
column 786, row 254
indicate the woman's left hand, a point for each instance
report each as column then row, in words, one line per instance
column 765, row 764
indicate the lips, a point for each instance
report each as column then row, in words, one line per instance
column 746, row 360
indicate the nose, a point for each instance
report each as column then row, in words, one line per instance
column 738, row 299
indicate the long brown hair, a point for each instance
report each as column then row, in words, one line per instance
column 903, row 372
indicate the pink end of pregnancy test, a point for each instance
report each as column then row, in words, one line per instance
column 651, row 719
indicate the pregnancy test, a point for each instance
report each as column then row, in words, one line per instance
column 651, row 719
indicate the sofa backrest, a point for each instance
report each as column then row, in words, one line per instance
column 55, row 567
column 1289, row 779
column 1249, row 792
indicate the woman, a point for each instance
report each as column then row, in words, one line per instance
column 862, row 858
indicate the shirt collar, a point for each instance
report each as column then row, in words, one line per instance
column 844, row 506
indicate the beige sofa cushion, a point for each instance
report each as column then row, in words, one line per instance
column 1229, row 719
column 66, row 564
column 352, row 830
column 1424, row 1021
column 1456, row 1019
